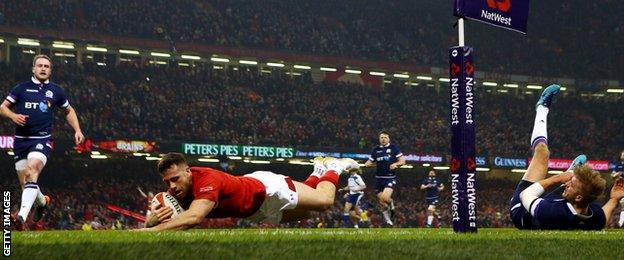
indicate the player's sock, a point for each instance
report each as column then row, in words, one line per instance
column 29, row 195
column 312, row 181
column 429, row 220
column 330, row 176
column 386, row 215
column 621, row 221
column 40, row 198
column 540, row 134
column 345, row 220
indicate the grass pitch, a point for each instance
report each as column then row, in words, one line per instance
column 322, row 244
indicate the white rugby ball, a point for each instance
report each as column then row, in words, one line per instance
column 165, row 199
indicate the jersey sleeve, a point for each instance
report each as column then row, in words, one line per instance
column 14, row 95
column 397, row 151
column 372, row 156
column 62, row 101
column 360, row 181
column 207, row 187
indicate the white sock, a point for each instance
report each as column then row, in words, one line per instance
column 539, row 126
column 336, row 166
column 391, row 205
column 430, row 220
column 29, row 195
column 386, row 215
column 621, row 221
column 40, row 199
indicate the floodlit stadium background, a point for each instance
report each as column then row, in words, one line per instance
column 244, row 86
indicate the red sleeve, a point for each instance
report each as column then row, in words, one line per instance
column 207, row 186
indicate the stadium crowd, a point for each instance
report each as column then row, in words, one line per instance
column 401, row 31
column 168, row 104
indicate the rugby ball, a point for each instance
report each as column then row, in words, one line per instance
column 165, row 199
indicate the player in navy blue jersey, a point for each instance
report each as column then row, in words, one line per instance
column 571, row 204
column 30, row 105
column 432, row 187
column 388, row 158
column 618, row 172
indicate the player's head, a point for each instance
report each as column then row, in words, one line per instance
column 384, row 137
column 42, row 67
column 177, row 174
column 585, row 187
column 432, row 173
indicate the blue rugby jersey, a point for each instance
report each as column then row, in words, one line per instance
column 37, row 101
column 384, row 156
column 433, row 191
column 554, row 212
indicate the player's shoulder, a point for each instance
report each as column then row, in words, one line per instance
column 205, row 170
column 55, row 87
column 23, row 85
column 394, row 146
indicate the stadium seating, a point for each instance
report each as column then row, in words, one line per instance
column 402, row 31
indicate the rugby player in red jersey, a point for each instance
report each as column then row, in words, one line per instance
column 260, row 196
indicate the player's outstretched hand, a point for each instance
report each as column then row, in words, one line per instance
column 19, row 119
column 617, row 192
column 163, row 213
column 565, row 177
column 79, row 137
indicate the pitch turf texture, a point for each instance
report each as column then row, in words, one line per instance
column 322, row 244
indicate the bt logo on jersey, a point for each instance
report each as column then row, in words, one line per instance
column 502, row 5
column 31, row 105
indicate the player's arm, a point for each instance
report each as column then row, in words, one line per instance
column 198, row 210
column 424, row 186
column 5, row 110
column 440, row 187
column 400, row 162
column 360, row 184
column 531, row 194
column 72, row 120
column 369, row 162
column 617, row 193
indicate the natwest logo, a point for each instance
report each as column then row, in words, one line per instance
column 502, row 5
column 454, row 69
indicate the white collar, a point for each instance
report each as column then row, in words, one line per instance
column 591, row 213
column 36, row 81
column 384, row 146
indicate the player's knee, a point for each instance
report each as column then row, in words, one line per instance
column 31, row 172
column 542, row 148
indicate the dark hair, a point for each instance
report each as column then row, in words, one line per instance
column 169, row 160
column 384, row 132
column 41, row 56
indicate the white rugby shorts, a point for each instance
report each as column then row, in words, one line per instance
column 281, row 195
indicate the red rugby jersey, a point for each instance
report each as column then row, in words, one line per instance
column 235, row 196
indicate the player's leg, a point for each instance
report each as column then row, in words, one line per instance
column 346, row 219
column 621, row 220
column 385, row 199
column 431, row 212
column 321, row 198
column 539, row 137
column 31, row 194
